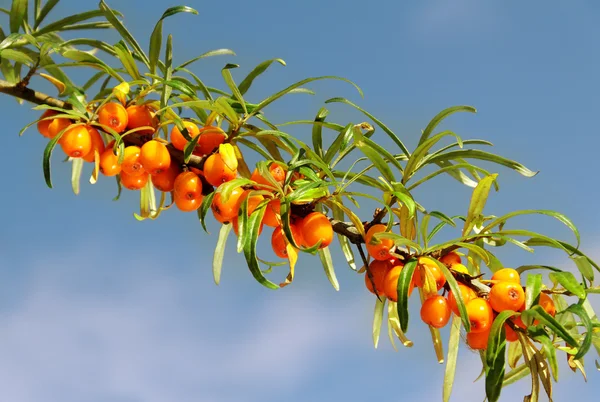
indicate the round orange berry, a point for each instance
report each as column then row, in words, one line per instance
column 507, row 275
column 141, row 116
column 478, row 340
column 381, row 250
column 506, row 296
column 279, row 241
column 272, row 213
column 390, row 282
column 378, row 270
column 76, row 142
column 435, row 311
column 511, row 335
column 165, row 180
column 227, row 208
column 178, row 140
column 480, row 315
column 97, row 144
column 188, row 191
column 155, row 157
column 450, row 259
column 210, row 139
column 131, row 161
column 277, row 173
column 467, row 294
column 134, row 182
column 109, row 162
column 547, row 304
column 113, row 115
column 42, row 125
column 316, row 227
column 216, row 172
column 427, row 265
column 56, row 126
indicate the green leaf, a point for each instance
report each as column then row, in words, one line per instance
column 584, row 265
column 569, row 282
column 249, row 246
column 404, row 285
column 378, row 122
column 111, row 16
column 231, row 84
column 338, row 214
column 587, row 340
column 76, row 167
column 515, row 375
column 422, row 150
column 478, row 200
column 281, row 93
column 204, row 208
column 217, row 52
column 377, row 320
column 126, row 58
column 373, row 155
column 460, row 303
column 482, row 155
column 549, row 350
column 450, row 169
column 41, row 15
column 166, row 89
column 317, row 132
column 441, row 116
column 20, row 56
column 325, row 256
column 496, row 357
column 48, row 153
column 18, row 11
column 544, row 318
column 156, row 37
column 258, row 70
column 70, row 20
column 534, row 286
column 93, row 61
column 450, row 370
column 220, row 252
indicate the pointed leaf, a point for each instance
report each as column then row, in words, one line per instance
column 534, row 286
column 77, row 166
column 452, row 358
column 18, row 11
column 325, row 256
column 377, row 320
column 478, row 200
column 441, row 116
column 220, row 252
column 258, row 70
column 569, row 282
column 405, row 283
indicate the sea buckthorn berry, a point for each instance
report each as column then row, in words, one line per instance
column 547, row 304
column 42, row 125
column 227, row 208
column 131, row 161
column 276, row 171
column 378, row 270
column 56, row 126
column 511, row 335
column 134, row 182
column 155, row 157
column 113, row 115
column 467, row 294
column 97, row 144
column 210, row 139
column 109, row 162
column 450, row 259
column 507, row 275
column 478, row 340
column 480, row 315
column 253, row 201
column 272, row 213
column 188, row 191
column 279, row 241
column 141, row 116
column 165, row 180
column 460, row 268
column 429, row 265
column 76, row 142
column 506, row 296
column 381, row 250
column 435, row 311
column 316, row 227
column 390, row 282
column 178, row 140
column 216, row 172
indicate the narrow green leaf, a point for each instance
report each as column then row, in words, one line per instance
column 544, row 318
column 404, row 285
column 126, row 58
column 17, row 55
column 231, row 84
column 17, row 14
column 41, row 15
column 325, row 256
column 534, row 286
column 258, row 70
column 217, row 52
column 515, row 375
column 254, row 223
column 496, row 357
column 584, row 265
column 460, row 303
column 70, row 20
column 515, row 352
column 93, row 61
column 220, row 252
column 569, row 282
column 373, row 155
column 317, row 132
column 587, row 340
column 377, row 320
column 441, row 116
column 482, row 155
column 422, row 150
column 48, row 153
column 539, row 335
column 204, row 208
column 452, row 358
column 478, row 200
column 76, row 168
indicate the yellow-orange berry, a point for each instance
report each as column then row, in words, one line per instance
column 57, row 125
column 478, row 340
column 480, row 315
column 42, row 125
column 97, row 144
column 450, row 259
column 210, row 139
column 134, row 182
column 113, row 115
column 76, row 142
column 109, row 162
column 155, row 157
column 131, row 161
column 216, row 172
column 507, row 275
column 141, row 116
column 272, row 213
column 381, row 250
column 467, row 294
column 279, row 241
column 165, row 180
column 506, row 296
column 390, row 282
column 378, row 270
column 435, row 311
column 188, row 191
column 178, row 140
column 227, row 208
column 316, row 227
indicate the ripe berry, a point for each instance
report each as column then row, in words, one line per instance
column 511, row 335
column 210, row 139
column 113, row 115
column 155, row 157
column 390, row 282
column 134, row 182
column 506, row 296
column 430, row 266
column 276, row 171
column 272, row 213
column 279, row 241
column 56, row 126
column 381, row 250
column 42, row 125
column 450, row 259
column 460, row 268
column 467, row 294
column 76, row 142
column 178, row 140
column 507, row 275
column 141, row 116
column 435, row 311
column 316, row 227
column 131, row 161
column 480, row 315
column 188, row 191
column 97, row 144
column 216, row 172
column 165, row 181
column 378, row 270
column 478, row 340
column 547, row 304
column 109, row 162
column 227, row 208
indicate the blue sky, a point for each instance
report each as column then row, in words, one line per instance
column 96, row 306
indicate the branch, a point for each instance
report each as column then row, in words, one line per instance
column 30, row 95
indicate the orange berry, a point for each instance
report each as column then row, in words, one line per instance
column 210, row 139
column 276, row 171
column 506, row 296
column 228, row 208
column 467, row 294
column 460, row 268
column 390, row 281
column 478, row 340
column 253, row 201
column 155, row 157
column 450, row 259
column 511, row 335
column 279, row 240
column 379, row 271
column 141, row 116
column 134, row 182
column 113, row 115
column 234, row 224
column 97, row 144
column 435, row 311
column 507, row 275
column 431, row 267
column 56, row 126
column 381, row 250
column 109, row 162
column 178, row 140
column 480, row 315
column 188, row 191
column 131, row 161
column 76, row 142
column 216, row 172
column 547, row 304
column 316, row 227
column 42, row 125
column 165, row 180
column 272, row 213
